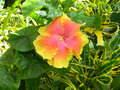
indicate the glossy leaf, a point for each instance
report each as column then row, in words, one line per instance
column 23, row 39
column 31, row 66
column 8, row 57
column 17, row 43
column 8, row 81
column 80, row 17
column 107, row 67
column 30, row 5
column 52, row 6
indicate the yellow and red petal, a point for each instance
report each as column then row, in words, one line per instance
column 75, row 43
column 84, row 40
column 62, row 26
column 55, row 27
column 63, row 56
column 71, row 28
column 43, row 31
column 46, row 46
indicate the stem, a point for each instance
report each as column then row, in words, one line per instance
column 9, row 14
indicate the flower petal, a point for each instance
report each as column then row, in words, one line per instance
column 43, row 31
column 46, row 46
column 62, row 26
column 62, row 57
column 55, row 27
column 75, row 43
column 84, row 39
column 71, row 28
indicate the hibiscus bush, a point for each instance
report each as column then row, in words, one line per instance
column 59, row 45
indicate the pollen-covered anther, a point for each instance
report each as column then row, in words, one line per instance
column 60, row 38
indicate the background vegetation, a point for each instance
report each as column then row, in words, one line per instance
column 22, row 69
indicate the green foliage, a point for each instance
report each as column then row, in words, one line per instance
column 23, row 40
column 30, row 65
column 81, row 17
column 9, row 81
column 22, row 69
column 51, row 5
column 8, row 57
column 32, row 84
column 116, row 83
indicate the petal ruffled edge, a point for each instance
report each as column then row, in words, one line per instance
column 46, row 46
column 71, row 28
column 75, row 43
column 62, row 58
column 43, row 31
column 84, row 41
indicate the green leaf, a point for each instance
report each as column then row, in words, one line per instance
column 66, row 4
column 7, row 80
column 8, row 57
column 85, row 55
column 105, row 80
column 30, row 31
column 107, row 67
column 30, row 5
column 37, row 5
column 108, row 50
column 68, row 88
column 80, row 17
column 21, row 43
column 99, row 86
column 116, row 83
column 115, row 41
column 115, row 17
column 97, row 22
column 52, row 3
column 54, row 13
column 23, row 39
column 117, row 6
column 32, row 84
column 21, row 61
column 31, row 66
column 61, row 71
column 38, row 16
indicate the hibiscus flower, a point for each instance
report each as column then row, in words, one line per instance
column 59, row 41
